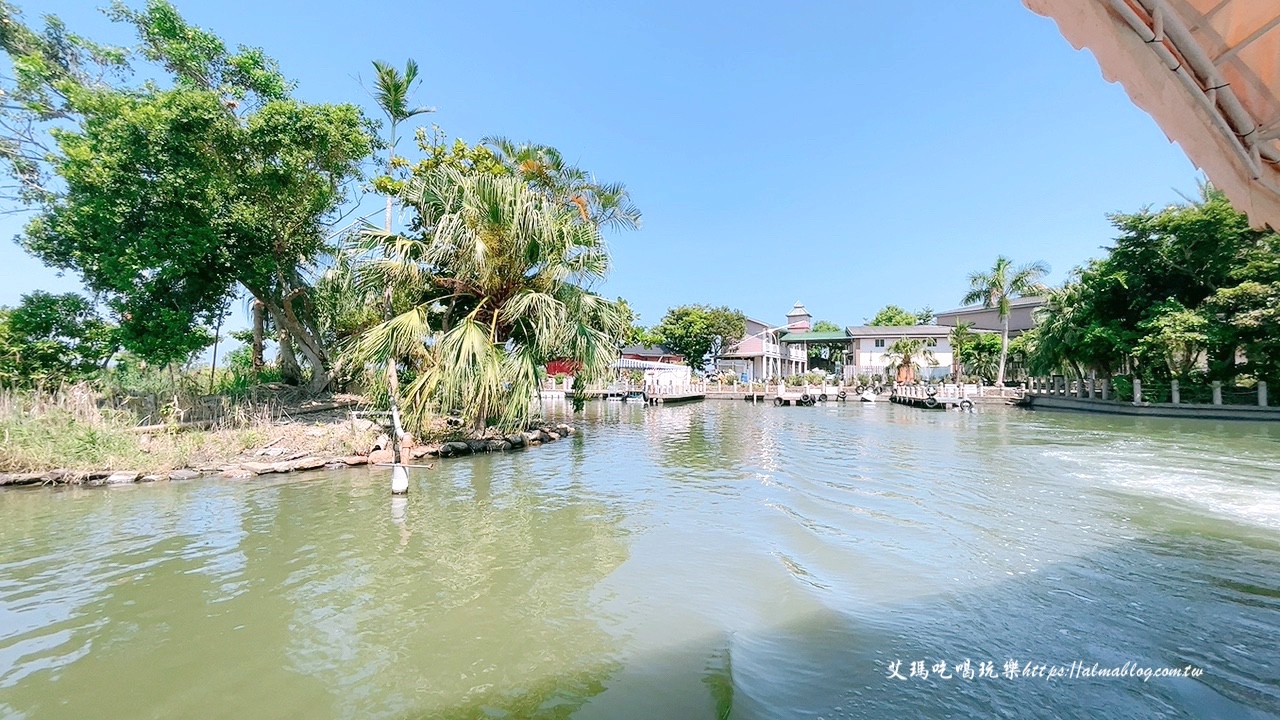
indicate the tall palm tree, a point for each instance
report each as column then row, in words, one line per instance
column 391, row 91
column 543, row 167
column 994, row 289
column 961, row 336
column 512, row 266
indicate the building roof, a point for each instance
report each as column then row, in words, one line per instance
column 656, row 350
column 815, row 336
column 1029, row 301
column 878, row 331
column 798, row 309
column 629, row 364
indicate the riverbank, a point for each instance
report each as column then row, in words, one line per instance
column 68, row 439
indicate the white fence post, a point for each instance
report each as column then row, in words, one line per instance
column 1262, row 393
column 1217, row 392
column 1175, row 396
column 1137, row 391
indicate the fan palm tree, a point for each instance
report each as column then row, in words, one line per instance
column 509, row 268
column 994, row 289
column 904, row 356
column 544, row 168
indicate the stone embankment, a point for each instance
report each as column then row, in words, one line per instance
column 274, row 459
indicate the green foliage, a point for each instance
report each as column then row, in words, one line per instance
column 50, row 339
column 497, row 272
column 826, row 326
column 892, row 315
column 1183, row 291
column 636, row 334
column 1173, row 335
column 175, row 195
column 980, row 356
column 700, row 332
column 905, row 356
column 544, row 169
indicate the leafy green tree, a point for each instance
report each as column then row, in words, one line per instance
column 826, row 353
column 893, row 316
column 501, row 275
column 51, row 338
column 636, row 333
column 700, row 332
column 1247, row 317
column 173, row 196
column 1187, row 286
column 1174, row 335
column 995, row 288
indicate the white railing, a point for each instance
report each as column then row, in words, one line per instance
column 950, row 391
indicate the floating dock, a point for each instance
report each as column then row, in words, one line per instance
column 929, row 399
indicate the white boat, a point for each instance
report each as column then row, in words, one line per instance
column 867, row 396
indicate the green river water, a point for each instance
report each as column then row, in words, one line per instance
column 713, row 560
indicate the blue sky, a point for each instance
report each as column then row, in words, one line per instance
column 848, row 155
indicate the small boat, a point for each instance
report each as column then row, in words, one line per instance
column 637, row 398
column 867, row 396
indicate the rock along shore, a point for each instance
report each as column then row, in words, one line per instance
column 273, row 460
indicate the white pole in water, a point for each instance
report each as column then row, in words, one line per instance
column 399, row 473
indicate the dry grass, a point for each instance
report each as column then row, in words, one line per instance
column 71, row 429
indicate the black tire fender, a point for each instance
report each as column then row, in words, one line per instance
column 931, row 402
column 777, row 402
column 822, row 397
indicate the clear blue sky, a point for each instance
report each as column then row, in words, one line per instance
column 847, row 155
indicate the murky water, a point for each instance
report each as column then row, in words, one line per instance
column 702, row 561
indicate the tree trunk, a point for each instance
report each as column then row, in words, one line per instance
column 303, row 337
column 1004, row 349
column 290, row 372
column 259, row 332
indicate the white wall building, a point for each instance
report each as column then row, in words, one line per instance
column 761, row 355
column 869, row 346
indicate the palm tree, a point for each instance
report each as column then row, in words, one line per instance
column 996, row 288
column 502, row 272
column 544, row 168
column 391, row 91
column 961, row 336
column 904, row 355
